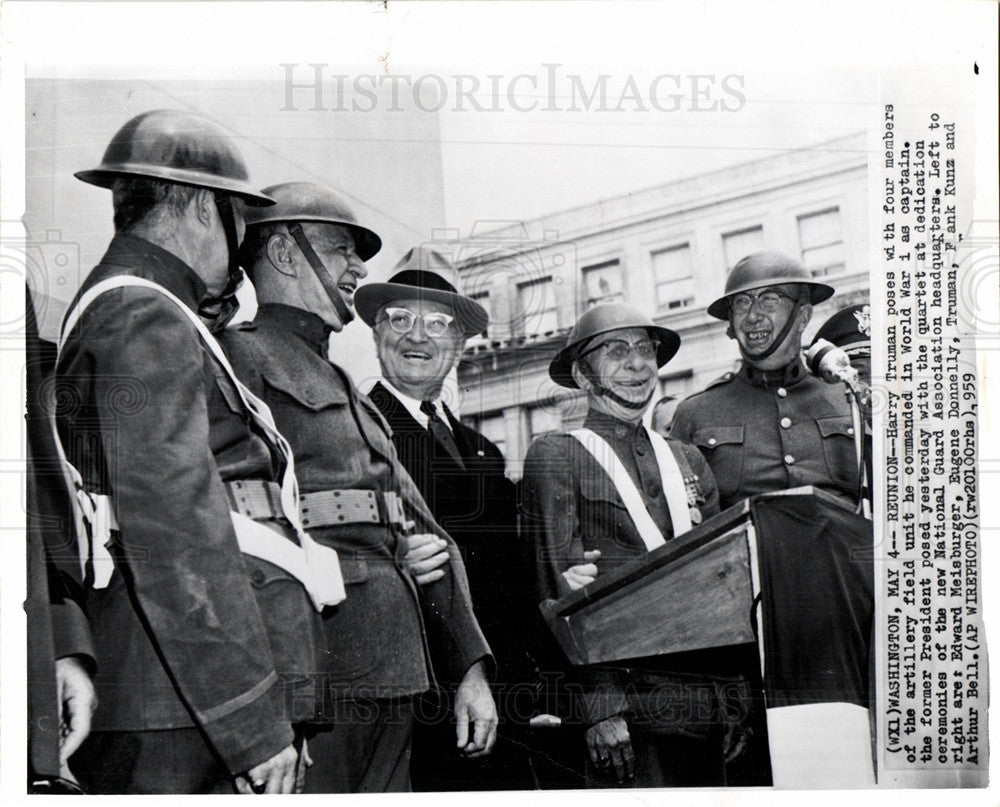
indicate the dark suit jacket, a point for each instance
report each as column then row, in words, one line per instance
column 476, row 505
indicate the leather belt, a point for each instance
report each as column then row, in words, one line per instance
column 258, row 499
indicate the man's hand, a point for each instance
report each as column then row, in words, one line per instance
column 277, row 775
column 77, row 701
column 583, row 574
column 609, row 743
column 474, row 704
column 425, row 555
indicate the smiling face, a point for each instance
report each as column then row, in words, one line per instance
column 413, row 362
column 631, row 377
column 757, row 327
column 335, row 247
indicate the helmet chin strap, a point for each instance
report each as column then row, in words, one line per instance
column 604, row 392
column 329, row 286
column 780, row 339
column 222, row 308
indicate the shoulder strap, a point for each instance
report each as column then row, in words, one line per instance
column 672, row 476
column 330, row 589
column 605, row 455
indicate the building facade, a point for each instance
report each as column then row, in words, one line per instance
column 665, row 250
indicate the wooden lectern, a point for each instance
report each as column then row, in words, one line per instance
column 808, row 558
column 693, row 592
column 804, row 550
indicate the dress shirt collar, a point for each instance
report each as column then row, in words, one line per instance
column 412, row 404
column 303, row 324
column 787, row 376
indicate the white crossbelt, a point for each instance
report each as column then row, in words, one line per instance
column 315, row 566
column 670, row 477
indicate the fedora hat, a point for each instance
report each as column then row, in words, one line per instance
column 422, row 274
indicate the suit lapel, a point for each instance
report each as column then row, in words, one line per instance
column 467, row 439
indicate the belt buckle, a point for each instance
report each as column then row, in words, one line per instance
column 241, row 498
column 394, row 515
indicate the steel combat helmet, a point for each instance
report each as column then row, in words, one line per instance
column 298, row 202
column 175, row 146
column 763, row 269
column 309, row 201
column 602, row 319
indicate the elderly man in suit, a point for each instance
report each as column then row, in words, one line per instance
column 420, row 325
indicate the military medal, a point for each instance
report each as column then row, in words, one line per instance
column 691, row 488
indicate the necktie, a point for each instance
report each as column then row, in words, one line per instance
column 441, row 432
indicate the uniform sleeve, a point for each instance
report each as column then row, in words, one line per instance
column 550, row 520
column 682, row 427
column 549, row 512
column 178, row 551
column 70, row 630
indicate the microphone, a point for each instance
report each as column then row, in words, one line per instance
column 832, row 364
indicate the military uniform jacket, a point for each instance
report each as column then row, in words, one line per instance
column 766, row 431
column 475, row 502
column 569, row 506
column 146, row 415
column 375, row 640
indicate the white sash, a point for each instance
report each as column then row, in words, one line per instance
column 670, row 476
column 315, row 566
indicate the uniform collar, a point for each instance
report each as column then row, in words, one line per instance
column 607, row 425
column 787, row 376
column 303, row 324
column 145, row 259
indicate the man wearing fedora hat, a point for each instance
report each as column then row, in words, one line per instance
column 420, row 324
column 600, row 497
column 392, row 635
column 772, row 424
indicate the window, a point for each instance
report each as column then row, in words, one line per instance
column 821, row 236
column 674, row 277
column 740, row 243
column 537, row 301
column 543, row 420
column 493, row 428
column 602, row 283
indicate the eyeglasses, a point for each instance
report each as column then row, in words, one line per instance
column 768, row 302
column 402, row 320
column 619, row 349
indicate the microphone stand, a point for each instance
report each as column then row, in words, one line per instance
column 853, row 394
